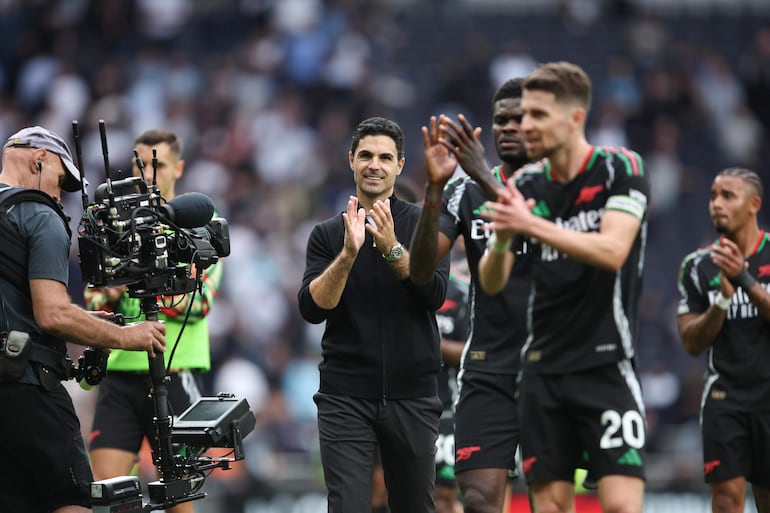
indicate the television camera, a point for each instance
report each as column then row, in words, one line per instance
column 130, row 236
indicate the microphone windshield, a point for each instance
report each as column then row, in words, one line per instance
column 189, row 210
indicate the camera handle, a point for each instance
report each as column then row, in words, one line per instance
column 123, row 494
column 164, row 458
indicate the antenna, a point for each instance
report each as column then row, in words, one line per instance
column 154, row 167
column 155, row 177
column 103, row 135
column 79, row 155
column 139, row 164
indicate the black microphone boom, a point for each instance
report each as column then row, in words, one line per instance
column 189, row 210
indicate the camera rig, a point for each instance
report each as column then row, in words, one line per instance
column 130, row 236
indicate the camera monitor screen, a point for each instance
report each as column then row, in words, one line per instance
column 206, row 411
column 211, row 420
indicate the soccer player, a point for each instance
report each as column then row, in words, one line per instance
column 453, row 320
column 486, row 422
column 724, row 309
column 583, row 210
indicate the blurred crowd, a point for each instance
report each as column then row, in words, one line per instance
column 265, row 94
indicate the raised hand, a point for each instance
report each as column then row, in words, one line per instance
column 440, row 163
column 465, row 144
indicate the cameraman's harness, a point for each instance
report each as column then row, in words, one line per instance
column 13, row 247
column 14, row 254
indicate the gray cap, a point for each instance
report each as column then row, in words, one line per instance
column 39, row 137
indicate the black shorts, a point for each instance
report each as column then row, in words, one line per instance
column 124, row 408
column 598, row 411
column 45, row 461
column 735, row 444
column 486, row 421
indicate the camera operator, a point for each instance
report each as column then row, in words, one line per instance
column 44, row 455
column 124, row 409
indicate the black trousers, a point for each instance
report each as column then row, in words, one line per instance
column 350, row 431
column 45, row 465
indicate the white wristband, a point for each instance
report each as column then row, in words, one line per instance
column 722, row 302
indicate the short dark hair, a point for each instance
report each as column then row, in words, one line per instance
column 747, row 175
column 378, row 126
column 510, row 89
column 566, row 81
column 157, row 136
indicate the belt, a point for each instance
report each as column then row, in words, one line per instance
column 55, row 361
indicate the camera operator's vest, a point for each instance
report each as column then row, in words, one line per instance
column 46, row 349
column 13, row 247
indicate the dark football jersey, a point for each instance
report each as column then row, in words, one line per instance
column 582, row 316
column 497, row 329
column 453, row 319
column 738, row 375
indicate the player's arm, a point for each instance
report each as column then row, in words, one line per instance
column 496, row 263
column 699, row 320
column 607, row 249
column 428, row 246
column 698, row 331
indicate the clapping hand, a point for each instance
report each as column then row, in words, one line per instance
column 439, row 161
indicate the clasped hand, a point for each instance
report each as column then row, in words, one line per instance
column 510, row 214
column 380, row 226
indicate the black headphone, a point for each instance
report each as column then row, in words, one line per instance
column 39, row 166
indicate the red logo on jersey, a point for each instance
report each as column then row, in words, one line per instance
column 587, row 194
column 526, row 465
column 449, row 304
column 710, row 466
column 464, row 453
column 764, row 270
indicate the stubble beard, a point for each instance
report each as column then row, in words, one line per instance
column 515, row 160
column 722, row 229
